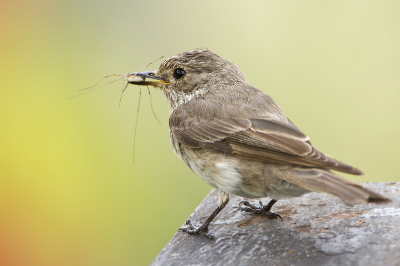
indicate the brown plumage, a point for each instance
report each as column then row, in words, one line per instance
column 263, row 139
column 238, row 139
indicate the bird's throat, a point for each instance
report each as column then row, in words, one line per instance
column 176, row 98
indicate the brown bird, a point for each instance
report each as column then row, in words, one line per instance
column 238, row 139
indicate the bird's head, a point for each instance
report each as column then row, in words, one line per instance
column 188, row 74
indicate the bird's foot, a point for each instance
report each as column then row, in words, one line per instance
column 263, row 209
column 201, row 230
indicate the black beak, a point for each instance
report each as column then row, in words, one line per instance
column 139, row 78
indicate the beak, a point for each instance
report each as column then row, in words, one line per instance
column 139, row 78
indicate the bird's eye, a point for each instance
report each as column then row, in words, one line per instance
column 179, row 72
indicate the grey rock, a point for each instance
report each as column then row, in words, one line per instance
column 317, row 230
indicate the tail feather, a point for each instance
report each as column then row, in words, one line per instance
column 325, row 181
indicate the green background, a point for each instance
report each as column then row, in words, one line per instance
column 69, row 192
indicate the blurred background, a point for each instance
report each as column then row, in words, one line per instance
column 69, row 191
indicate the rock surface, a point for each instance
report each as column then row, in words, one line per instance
column 317, row 230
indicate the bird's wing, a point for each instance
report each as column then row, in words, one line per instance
column 262, row 138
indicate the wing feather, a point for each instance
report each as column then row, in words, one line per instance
column 263, row 139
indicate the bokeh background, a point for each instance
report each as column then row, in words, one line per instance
column 69, row 191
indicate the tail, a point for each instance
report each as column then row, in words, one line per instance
column 325, row 181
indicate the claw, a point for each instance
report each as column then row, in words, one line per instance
column 223, row 199
column 196, row 231
column 190, row 225
column 263, row 209
column 248, row 204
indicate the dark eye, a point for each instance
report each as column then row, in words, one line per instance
column 178, row 73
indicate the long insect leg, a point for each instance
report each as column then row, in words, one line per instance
column 151, row 105
column 92, row 88
column 137, row 118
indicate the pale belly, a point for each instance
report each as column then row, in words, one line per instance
column 238, row 176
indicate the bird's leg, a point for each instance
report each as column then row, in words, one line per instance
column 223, row 199
column 263, row 209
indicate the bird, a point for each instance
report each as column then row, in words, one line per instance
column 238, row 140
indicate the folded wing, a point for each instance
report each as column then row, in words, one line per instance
column 260, row 138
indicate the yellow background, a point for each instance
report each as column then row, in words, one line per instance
column 69, row 192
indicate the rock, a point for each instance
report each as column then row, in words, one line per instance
column 317, row 229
